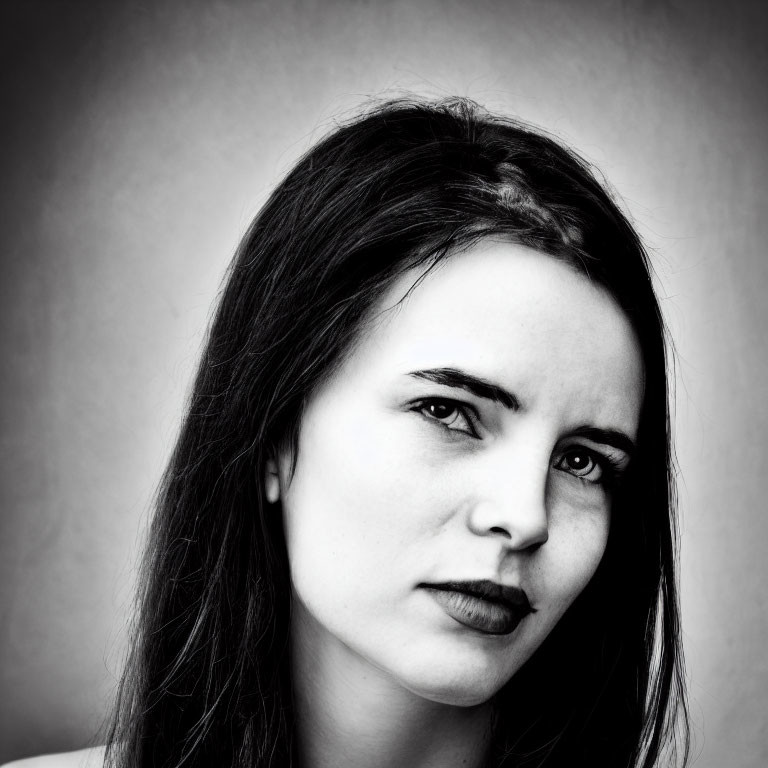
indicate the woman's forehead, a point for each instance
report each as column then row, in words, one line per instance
column 522, row 318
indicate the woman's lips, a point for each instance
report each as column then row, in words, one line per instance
column 482, row 605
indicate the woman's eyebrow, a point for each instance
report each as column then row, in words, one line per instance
column 610, row 437
column 453, row 377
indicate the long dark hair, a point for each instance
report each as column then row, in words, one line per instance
column 208, row 680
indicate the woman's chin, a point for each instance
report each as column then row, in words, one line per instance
column 457, row 692
column 458, row 682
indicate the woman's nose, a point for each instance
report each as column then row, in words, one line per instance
column 513, row 506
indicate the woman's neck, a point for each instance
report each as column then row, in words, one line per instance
column 350, row 714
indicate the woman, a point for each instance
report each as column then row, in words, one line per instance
column 420, row 510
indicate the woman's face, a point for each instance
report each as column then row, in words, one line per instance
column 456, row 471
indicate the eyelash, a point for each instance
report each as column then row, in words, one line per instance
column 454, row 406
column 610, row 468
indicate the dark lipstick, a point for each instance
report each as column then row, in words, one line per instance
column 484, row 606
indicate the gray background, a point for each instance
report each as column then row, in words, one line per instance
column 137, row 140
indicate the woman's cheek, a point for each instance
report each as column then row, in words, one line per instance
column 573, row 552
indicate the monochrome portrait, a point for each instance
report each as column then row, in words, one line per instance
column 383, row 385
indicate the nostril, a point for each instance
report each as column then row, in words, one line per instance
column 502, row 531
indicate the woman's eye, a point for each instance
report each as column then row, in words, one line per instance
column 581, row 463
column 448, row 413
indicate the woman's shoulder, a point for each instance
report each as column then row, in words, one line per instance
column 83, row 758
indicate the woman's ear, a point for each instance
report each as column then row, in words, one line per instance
column 271, row 481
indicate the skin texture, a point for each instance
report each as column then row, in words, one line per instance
column 401, row 481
